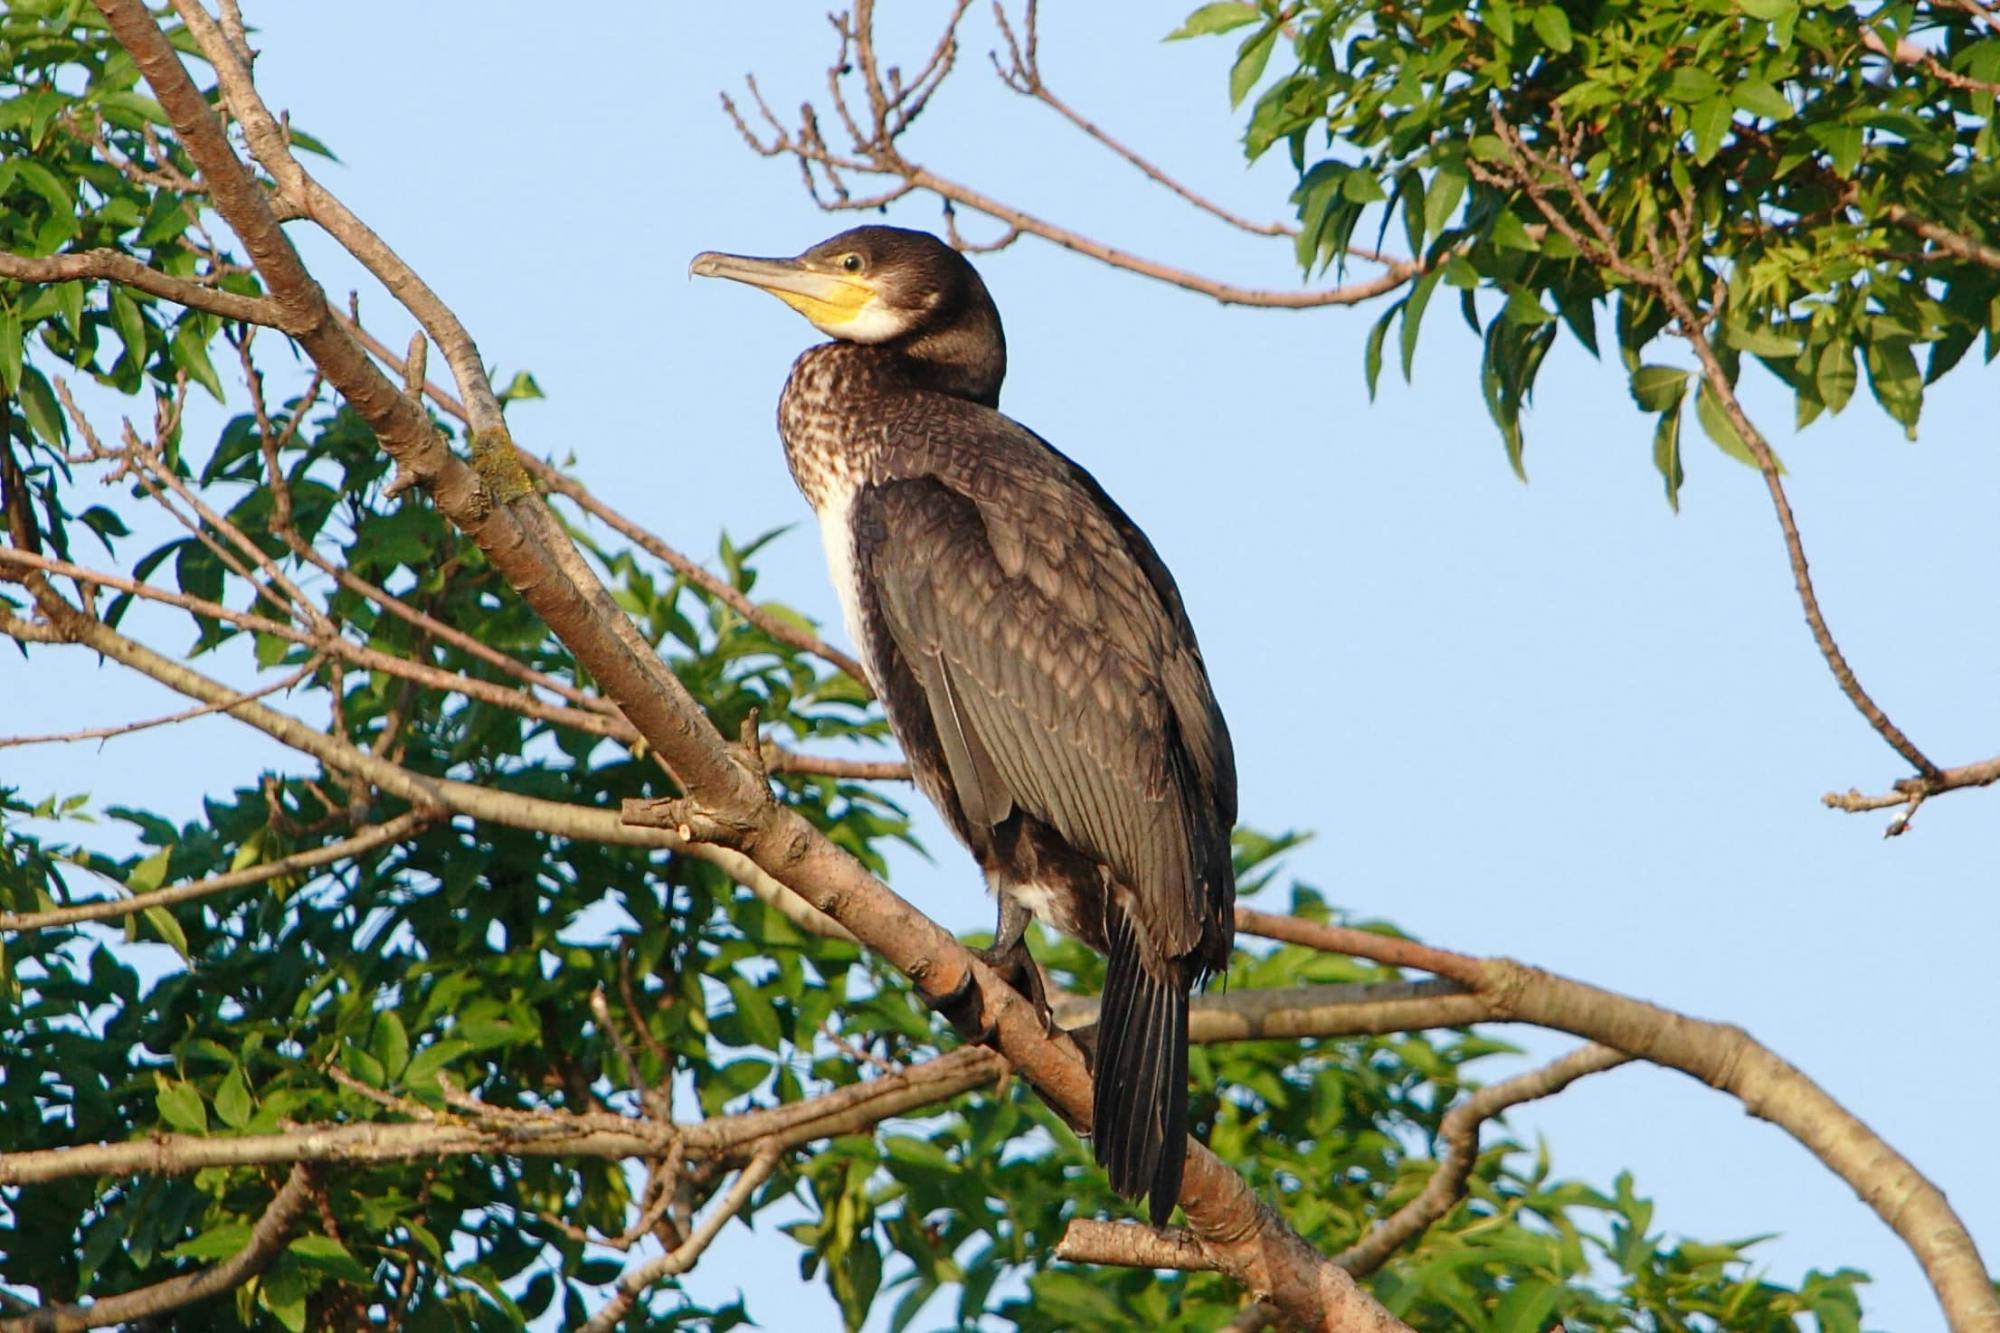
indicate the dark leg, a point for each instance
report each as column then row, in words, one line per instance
column 1008, row 956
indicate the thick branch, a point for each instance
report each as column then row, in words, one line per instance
column 1729, row 1059
column 267, row 1238
column 550, row 478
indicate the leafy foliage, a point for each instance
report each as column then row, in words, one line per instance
column 1815, row 179
column 474, row 953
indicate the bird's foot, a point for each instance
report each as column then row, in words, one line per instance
column 963, row 1004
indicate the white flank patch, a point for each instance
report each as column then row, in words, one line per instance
column 836, row 534
column 1037, row 898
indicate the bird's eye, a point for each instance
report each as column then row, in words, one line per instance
column 851, row 263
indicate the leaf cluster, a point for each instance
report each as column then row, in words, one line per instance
column 1816, row 181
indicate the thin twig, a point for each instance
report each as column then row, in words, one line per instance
column 1534, row 172
column 1458, row 1136
column 106, row 733
column 367, row 840
column 636, row 1280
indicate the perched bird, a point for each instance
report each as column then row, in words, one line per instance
column 1031, row 652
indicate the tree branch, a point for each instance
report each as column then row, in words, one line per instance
column 1023, row 74
column 551, row 478
column 1459, row 1137
column 1134, row 1245
column 1913, row 792
column 267, row 1238
column 367, row 840
column 1533, row 173
column 635, row 1281
column 1726, row 1058
column 111, row 265
column 876, row 151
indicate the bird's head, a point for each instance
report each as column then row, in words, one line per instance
column 888, row 285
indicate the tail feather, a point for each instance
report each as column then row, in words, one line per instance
column 1139, row 1116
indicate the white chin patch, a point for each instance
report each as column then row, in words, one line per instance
column 873, row 323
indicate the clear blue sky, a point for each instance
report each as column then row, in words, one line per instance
column 1552, row 721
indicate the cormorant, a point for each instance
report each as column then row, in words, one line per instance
column 1030, row 650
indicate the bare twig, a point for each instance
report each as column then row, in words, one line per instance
column 1724, row 1057
column 1944, row 237
column 875, row 151
column 1023, row 73
column 438, row 678
column 106, row 733
column 1913, row 792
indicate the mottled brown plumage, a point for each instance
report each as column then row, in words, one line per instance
column 1030, row 649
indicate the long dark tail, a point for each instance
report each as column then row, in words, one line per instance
column 1139, row 1118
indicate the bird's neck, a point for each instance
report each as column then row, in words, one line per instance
column 843, row 404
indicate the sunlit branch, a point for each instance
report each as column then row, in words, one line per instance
column 123, row 269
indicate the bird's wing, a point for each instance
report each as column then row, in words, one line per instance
column 1047, row 661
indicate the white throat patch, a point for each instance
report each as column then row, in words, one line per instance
column 872, row 323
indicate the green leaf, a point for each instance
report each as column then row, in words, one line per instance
column 1667, row 453
column 319, row 1251
column 1716, row 425
column 10, row 350
column 1842, row 143
column 1835, row 375
column 167, row 928
column 1710, row 120
column 191, row 355
column 232, row 1099
column 38, row 404
column 180, row 1105
column 218, row 1242
column 421, row 1075
column 521, row 388
column 1761, row 341
column 1760, row 99
column 1525, row 308
column 1371, row 355
column 1768, row 10
column 1214, row 18
column 1691, row 83
column 1441, row 197
column 1250, row 63
column 1658, row 388
column 151, row 872
column 1413, row 316
column 391, row 1043
column 1897, row 383
column 1552, row 26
